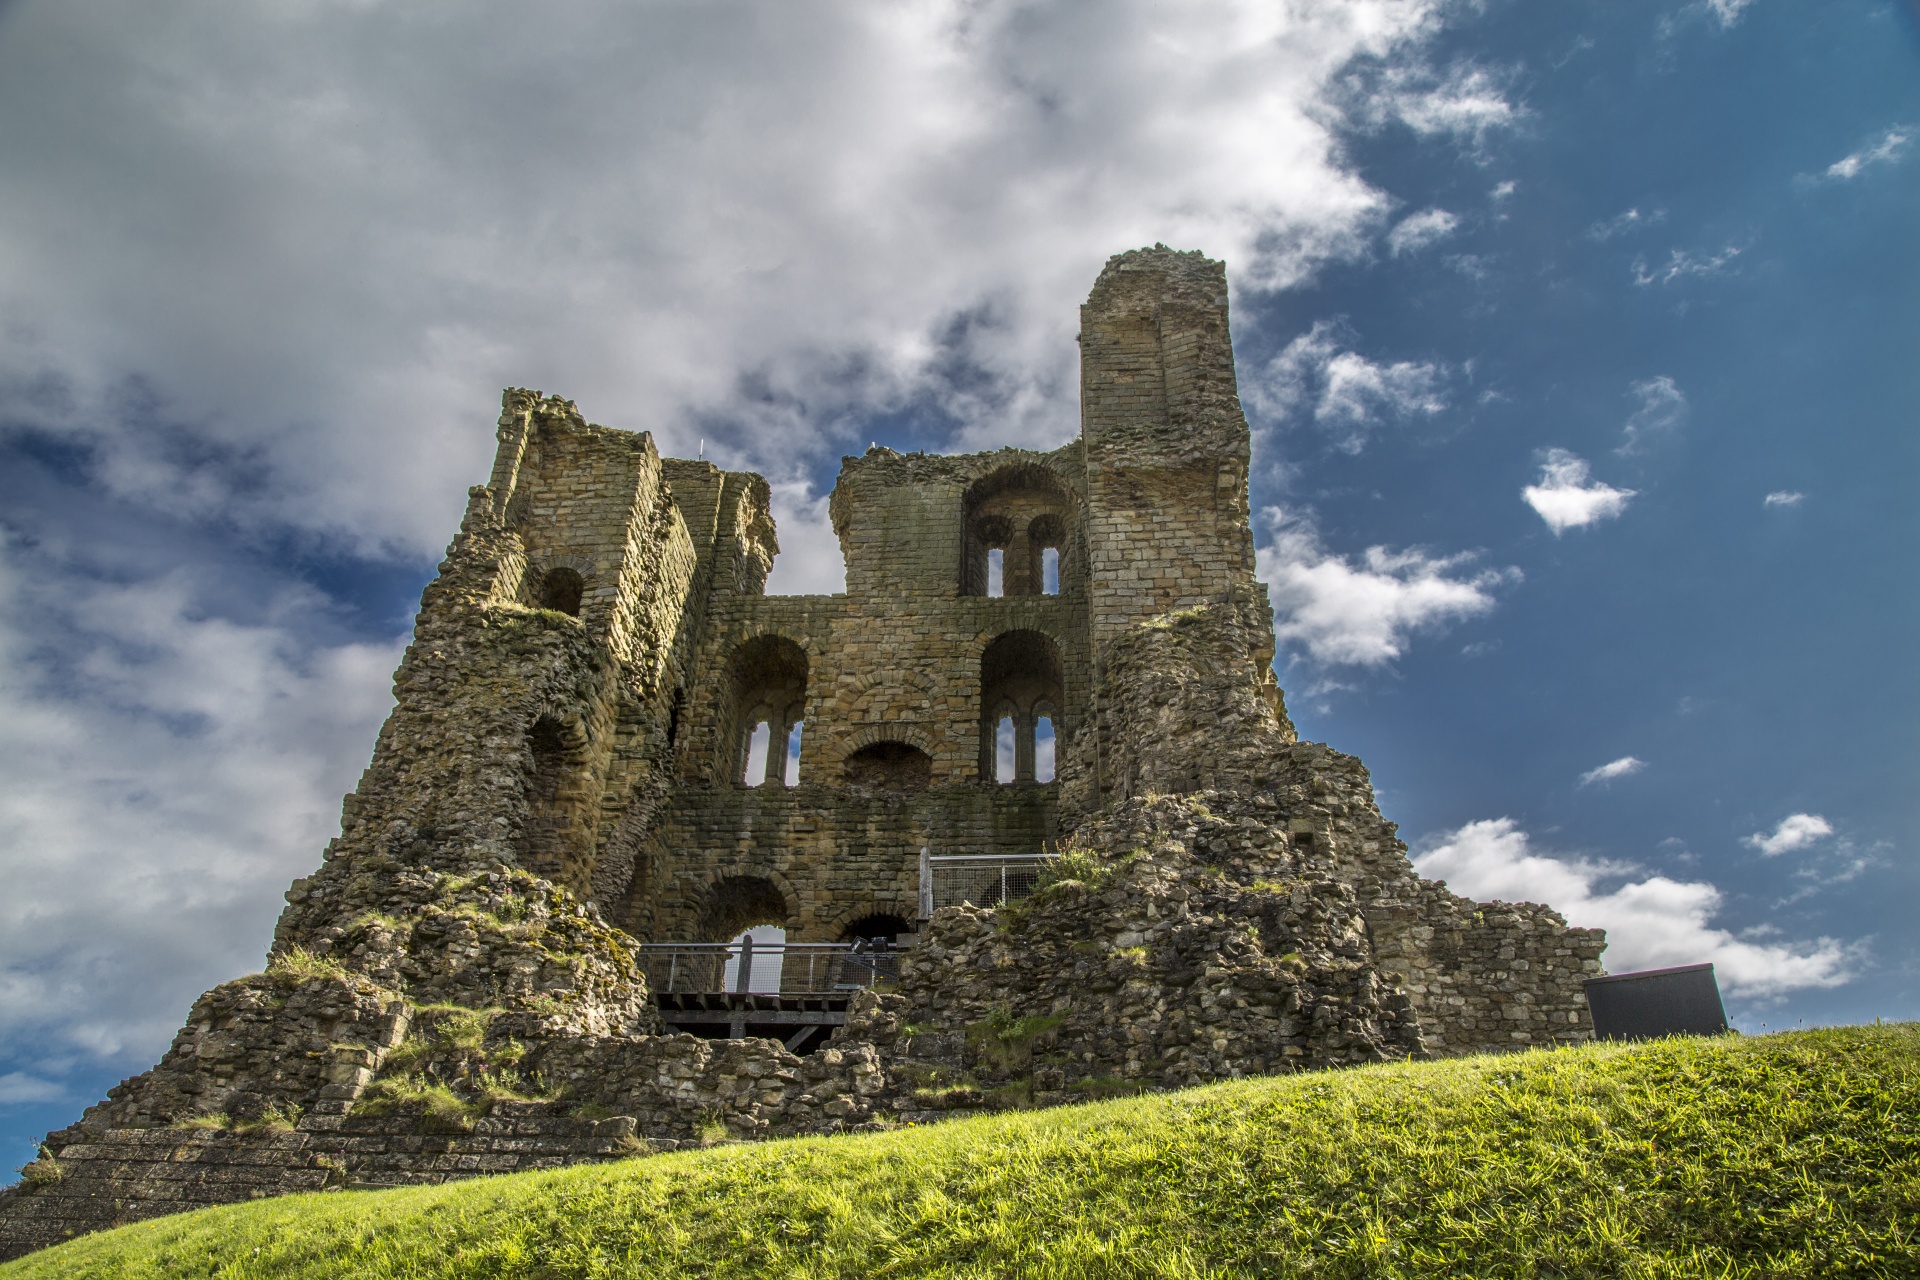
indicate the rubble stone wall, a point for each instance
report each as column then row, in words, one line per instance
column 675, row 1091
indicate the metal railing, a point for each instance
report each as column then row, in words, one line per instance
column 985, row 880
column 763, row 968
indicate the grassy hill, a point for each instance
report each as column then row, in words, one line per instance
column 1789, row 1155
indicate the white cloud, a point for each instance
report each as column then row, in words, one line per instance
column 1885, row 151
column 752, row 223
column 1624, row 222
column 1418, row 230
column 1465, row 102
column 1343, row 612
column 1795, row 831
column 809, row 562
column 1624, row 767
column 1680, row 264
column 1784, row 498
column 1728, row 11
column 1651, row 923
column 1566, row 498
column 168, row 773
column 17, row 1087
column 1343, row 392
column 1662, row 406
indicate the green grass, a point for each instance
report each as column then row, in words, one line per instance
column 1789, row 1155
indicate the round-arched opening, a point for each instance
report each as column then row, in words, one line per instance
column 1021, row 679
column 1014, row 517
column 561, row 590
column 889, row 766
column 738, row 903
column 768, row 679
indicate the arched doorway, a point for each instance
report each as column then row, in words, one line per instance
column 750, row 914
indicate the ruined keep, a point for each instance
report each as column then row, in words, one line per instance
column 612, row 753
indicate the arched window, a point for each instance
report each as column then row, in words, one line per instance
column 560, row 590
column 791, row 773
column 767, row 679
column 889, row 766
column 1046, row 535
column 1020, row 681
column 1043, row 761
column 1013, row 518
column 757, row 740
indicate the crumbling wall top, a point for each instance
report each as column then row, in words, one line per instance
column 1139, row 278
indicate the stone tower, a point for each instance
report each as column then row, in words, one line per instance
column 612, row 752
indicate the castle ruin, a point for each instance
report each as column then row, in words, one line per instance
column 1024, row 802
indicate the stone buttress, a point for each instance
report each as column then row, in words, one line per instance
column 606, row 734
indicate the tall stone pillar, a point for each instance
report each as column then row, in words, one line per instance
column 1166, row 442
column 1181, row 629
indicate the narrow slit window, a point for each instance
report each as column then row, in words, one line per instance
column 792, row 776
column 757, row 744
column 996, row 572
column 1003, row 749
column 1043, row 750
column 1050, row 571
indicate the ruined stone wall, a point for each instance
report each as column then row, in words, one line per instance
column 1153, row 968
column 834, row 856
column 1486, row 977
column 898, row 658
column 1186, row 702
column 447, row 995
column 631, row 1097
column 1483, row 977
column 902, row 518
column 1186, row 707
column 911, row 673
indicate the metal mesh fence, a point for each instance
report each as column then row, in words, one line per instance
column 768, row 968
column 985, row 880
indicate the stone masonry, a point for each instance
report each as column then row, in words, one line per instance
column 606, row 734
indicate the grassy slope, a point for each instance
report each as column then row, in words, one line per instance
column 1790, row 1155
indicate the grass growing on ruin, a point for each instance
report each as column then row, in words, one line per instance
column 1789, row 1155
column 297, row 964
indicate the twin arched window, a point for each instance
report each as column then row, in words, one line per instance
column 768, row 678
column 1016, row 531
column 1020, row 695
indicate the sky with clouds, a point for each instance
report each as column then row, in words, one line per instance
column 1577, row 341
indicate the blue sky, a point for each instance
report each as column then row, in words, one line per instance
column 263, row 276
